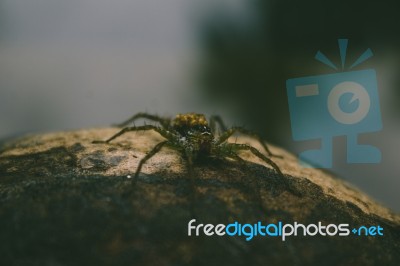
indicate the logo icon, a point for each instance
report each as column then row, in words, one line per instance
column 343, row 103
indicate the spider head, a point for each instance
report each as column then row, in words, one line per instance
column 194, row 126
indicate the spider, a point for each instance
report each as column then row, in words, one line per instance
column 194, row 137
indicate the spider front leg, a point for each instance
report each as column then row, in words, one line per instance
column 161, row 131
column 214, row 120
column 190, row 168
column 244, row 131
column 255, row 190
column 230, row 149
column 156, row 149
column 151, row 153
column 164, row 122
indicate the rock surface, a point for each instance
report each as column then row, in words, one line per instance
column 66, row 201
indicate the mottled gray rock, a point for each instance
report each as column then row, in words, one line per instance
column 66, row 201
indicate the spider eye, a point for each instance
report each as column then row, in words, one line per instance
column 205, row 130
column 199, row 128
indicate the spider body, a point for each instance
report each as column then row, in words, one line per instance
column 193, row 136
column 195, row 133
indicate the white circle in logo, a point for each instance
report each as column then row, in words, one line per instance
column 359, row 93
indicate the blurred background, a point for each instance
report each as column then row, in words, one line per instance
column 87, row 63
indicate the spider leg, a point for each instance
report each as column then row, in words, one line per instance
column 161, row 131
column 244, row 147
column 244, row 131
column 151, row 153
column 164, row 122
column 217, row 120
column 193, row 195
column 237, row 158
column 255, row 189
column 189, row 157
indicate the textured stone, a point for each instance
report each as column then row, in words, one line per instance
column 66, row 201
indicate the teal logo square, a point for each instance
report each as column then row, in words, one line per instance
column 343, row 103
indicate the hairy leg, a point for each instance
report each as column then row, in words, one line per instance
column 151, row 153
column 237, row 158
column 232, row 148
column 193, row 194
column 244, row 131
column 217, row 120
column 253, row 187
column 161, row 131
column 164, row 122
